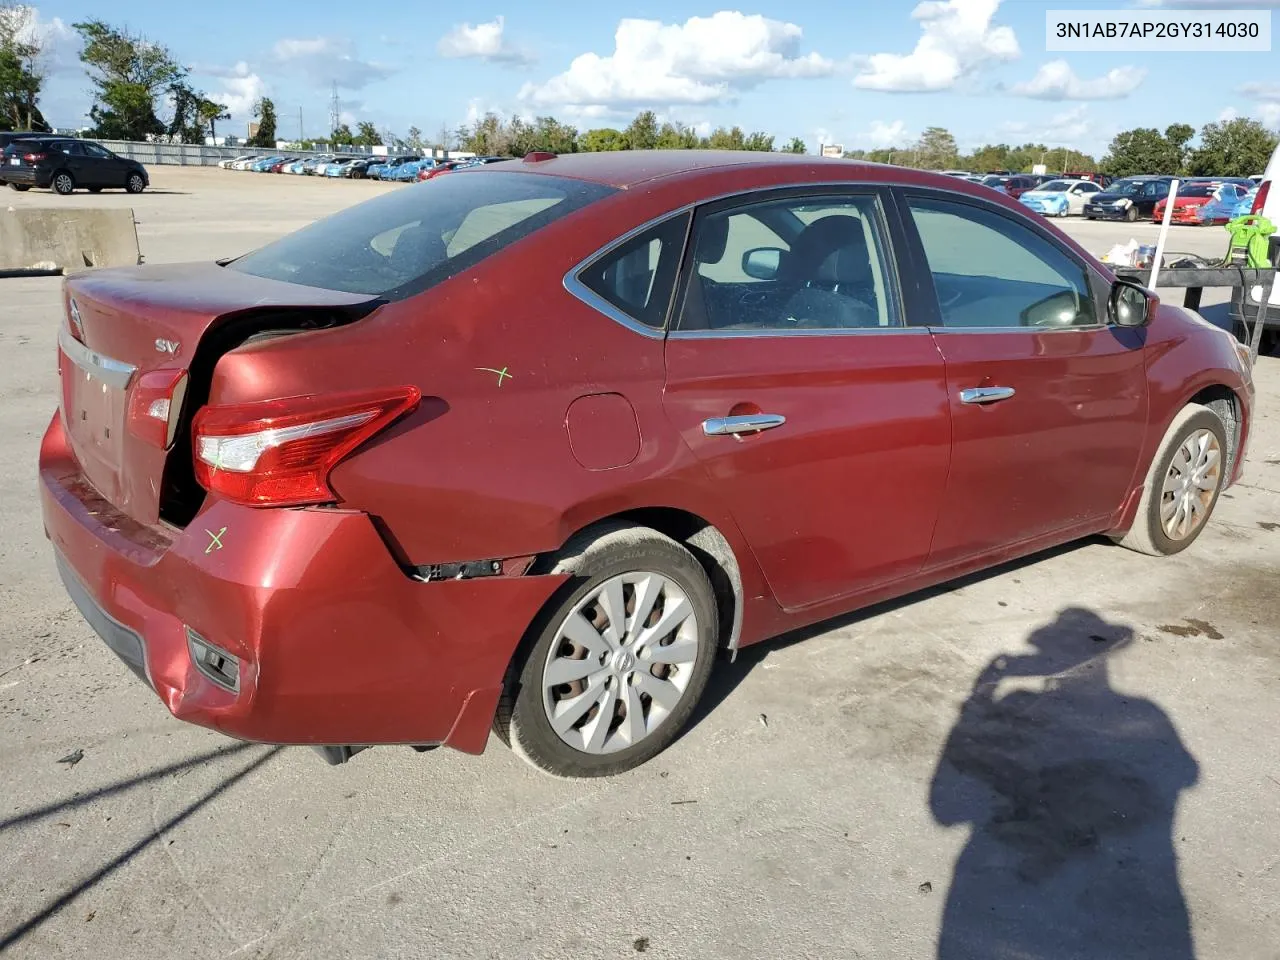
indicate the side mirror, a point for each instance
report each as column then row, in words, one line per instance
column 1129, row 304
column 762, row 263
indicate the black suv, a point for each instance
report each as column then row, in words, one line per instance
column 65, row 164
column 1128, row 199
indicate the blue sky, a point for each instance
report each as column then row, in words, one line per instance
column 857, row 73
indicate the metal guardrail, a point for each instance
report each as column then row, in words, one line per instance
column 195, row 155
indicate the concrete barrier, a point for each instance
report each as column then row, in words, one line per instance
column 65, row 239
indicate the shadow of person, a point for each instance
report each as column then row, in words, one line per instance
column 1070, row 789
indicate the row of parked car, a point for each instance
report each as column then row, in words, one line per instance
column 1200, row 200
column 404, row 168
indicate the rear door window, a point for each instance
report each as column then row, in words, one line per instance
column 401, row 243
column 637, row 277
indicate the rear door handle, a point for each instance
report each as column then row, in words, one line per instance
column 986, row 394
column 732, row 426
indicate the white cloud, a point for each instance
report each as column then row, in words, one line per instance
column 1269, row 114
column 1228, row 114
column 1067, row 128
column 1057, row 81
column 484, row 41
column 1261, row 91
column 703, row 60
column 1268, row 97
column 327, row 60
column 59, row 44
column 882, row 134
column 958, row 38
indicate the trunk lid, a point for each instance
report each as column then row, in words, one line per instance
column 122, row 325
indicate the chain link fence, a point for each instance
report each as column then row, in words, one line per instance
column 195, row 155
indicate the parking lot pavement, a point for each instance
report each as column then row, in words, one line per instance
column 841, row 794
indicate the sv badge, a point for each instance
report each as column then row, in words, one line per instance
column 167, row 346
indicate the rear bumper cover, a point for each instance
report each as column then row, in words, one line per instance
column 336, row 644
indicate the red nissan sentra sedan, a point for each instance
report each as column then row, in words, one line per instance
column 525, row 447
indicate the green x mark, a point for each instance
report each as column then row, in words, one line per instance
column 501, row 373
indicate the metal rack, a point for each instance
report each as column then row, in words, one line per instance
column 1194, row 279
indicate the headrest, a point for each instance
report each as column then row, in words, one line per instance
column 713, row 238
column 832, row 249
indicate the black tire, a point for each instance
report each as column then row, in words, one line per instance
column 63, row 183
column 1090, row 216
column 1131, row 214
column 135, row 183
column 1147, row 535
column 593, row 558
column 1270, row 343
column 20, row 187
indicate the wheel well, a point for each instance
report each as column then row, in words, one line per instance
column 709, row 547
column 1224, row 402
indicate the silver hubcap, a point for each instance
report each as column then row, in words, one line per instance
column 1190, row 485
column 64, row 183
column 135, row 184
column 620, row 663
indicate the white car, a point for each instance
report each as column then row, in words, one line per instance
column 1060, row 198
column 243, row 164
column 231, row 164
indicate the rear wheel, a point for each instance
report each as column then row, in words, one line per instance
column 135, row 183
column 1183, row 484
column 63, row 183
column 20, row 187
column 618, row 660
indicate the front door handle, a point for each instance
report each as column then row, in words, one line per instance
column 732, row 426
column 986, row 394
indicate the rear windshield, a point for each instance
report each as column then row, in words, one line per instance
column 1056, row 186
column 1198, row 190
column 404, row 242
column 28, row 146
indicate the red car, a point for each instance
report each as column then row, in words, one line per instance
column 528, row 448
column 1195, row 203
column 430, row 173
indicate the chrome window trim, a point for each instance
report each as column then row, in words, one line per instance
column 773, row 332
column 1090, row 328
column 579, row 290
column 114, row 373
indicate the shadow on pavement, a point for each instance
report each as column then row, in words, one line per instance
column 10, row 937
column 1070, row 789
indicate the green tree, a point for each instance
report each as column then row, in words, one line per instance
column 676, row 136
column 413, row 141
column 211, row 112
column 1232, row 148
column 936, row 149
column 21, row 73
column 265, row 113
column 759, row 142
column 796, row 146
column 1179, row 136
column 129, row 72
column 601, row 140
column 642, row 132
column 722, row 139
column 1143, row 150
column 342, row 136
column 367, row 135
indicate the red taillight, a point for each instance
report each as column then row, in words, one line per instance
column 1261, row 199
column 33, row 157
column 280, row 452
column 155, row 404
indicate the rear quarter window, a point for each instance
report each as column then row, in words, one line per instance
column 404, row 242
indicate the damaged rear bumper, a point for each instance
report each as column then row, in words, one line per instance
column 333, row 643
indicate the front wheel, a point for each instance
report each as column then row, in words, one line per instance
column 135, row 183
column 1182, row 487
column 617, row 662
column 63, row 184
column 1131, row 214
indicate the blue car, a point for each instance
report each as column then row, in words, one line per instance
column 383, row 170
column 266, row 163
column 339, row 168
column 295, row 167
column 408, row 172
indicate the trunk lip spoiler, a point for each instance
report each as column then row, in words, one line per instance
column 115, row 373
